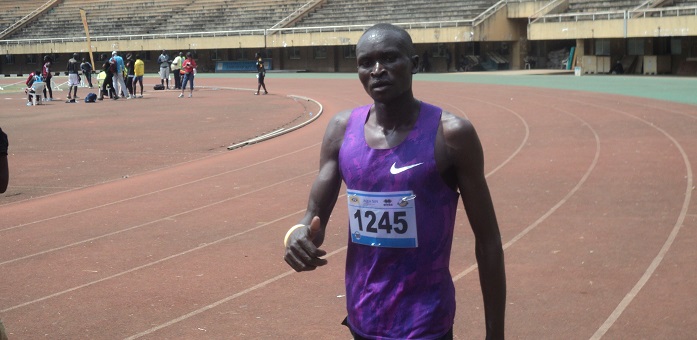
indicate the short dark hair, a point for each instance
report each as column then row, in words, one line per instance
column 402, row 33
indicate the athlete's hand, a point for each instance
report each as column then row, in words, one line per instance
column 301, row 252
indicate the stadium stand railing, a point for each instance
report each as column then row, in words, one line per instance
column 298, row 14
column 553, row 7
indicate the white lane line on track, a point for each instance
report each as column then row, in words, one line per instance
column 629, row 297
column 157, row 191
column 280, row 276
column 157, row 220
column 222, row 301
column 554, row 208
column 462, row 274
column 150, row 264
column 165, row 218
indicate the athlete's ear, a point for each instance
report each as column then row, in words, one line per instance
column 415, row 64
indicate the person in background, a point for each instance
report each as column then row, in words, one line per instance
column 425, row 63
column 138, row 72
column 164, row 62
column 448, row 60
column 86, row 68
column 189, row 71
column 130, row 72
column 618, row 68
column 46, row 74
column 176, row 69
column 261, row 74
column 119, row 81
column 73, row 77
column 109, row 68
column 33, row 78
column 4, row 168
column 405, row 164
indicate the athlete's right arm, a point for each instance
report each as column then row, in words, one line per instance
column 302, row 246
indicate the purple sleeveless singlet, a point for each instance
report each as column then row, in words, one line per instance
column 400, row 290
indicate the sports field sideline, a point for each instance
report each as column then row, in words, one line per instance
column 131, row 219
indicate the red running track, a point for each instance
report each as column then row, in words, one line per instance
column 155, row 231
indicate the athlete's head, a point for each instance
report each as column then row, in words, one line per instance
column 402, row 35
column 386, row 60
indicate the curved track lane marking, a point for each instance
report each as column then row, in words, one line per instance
column 159, row 219
column 294, row 97
column 330, row 254
column 612, row 318
column 202, row 246
column 554, row 208
column 156, row 191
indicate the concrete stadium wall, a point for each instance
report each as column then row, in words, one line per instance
column 571, row 30
column 662, row 27
column 524, row 10
column 635, row 28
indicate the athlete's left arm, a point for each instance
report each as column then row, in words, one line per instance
column 466, row 159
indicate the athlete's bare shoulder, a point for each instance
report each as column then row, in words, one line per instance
column 456, row 129
column 458, row 149
column 334, row 135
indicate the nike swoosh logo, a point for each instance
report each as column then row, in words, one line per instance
column 395, row 170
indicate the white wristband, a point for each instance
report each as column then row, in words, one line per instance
column 290, row 231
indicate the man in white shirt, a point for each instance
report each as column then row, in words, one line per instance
column 164, row 61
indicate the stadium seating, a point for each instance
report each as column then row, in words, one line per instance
column 139, row 17
column 13, row 11
column 576, row 6
column 353, row 12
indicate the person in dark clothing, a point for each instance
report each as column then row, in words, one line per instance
column 261, row 74
column 46, row 73
column 73, row 68
column 425, row 63
column 86, row 68
column 108, row 83
column 4, row 169
column 618, row 68
column 130, row 72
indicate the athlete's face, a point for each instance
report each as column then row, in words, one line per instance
column 385, row 66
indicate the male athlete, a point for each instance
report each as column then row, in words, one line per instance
column 73, row 77
column 405, row 163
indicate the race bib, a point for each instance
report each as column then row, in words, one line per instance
column 383, row 219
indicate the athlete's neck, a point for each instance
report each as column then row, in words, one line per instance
column 397, row 114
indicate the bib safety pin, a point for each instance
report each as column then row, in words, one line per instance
column 408, row 198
